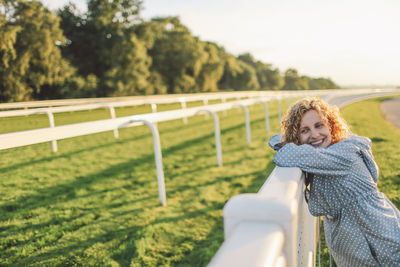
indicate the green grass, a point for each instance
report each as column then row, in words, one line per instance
column 386, row 143
column 95, row 202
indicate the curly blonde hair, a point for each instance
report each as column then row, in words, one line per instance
column 330, row 115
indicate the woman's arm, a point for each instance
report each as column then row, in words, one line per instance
column 334, row 160
column 275, row 142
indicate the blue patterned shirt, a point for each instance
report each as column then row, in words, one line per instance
column 362, row 226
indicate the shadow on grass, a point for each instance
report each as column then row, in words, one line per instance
column 78, row 250
column 124, row 256
column 135, row 138
column 378, row 139
column 93, row 148
column 65, row 191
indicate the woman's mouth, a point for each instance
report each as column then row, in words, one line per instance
column 317, row 143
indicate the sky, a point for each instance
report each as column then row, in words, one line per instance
column 352, row 42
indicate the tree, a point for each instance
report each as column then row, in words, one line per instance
column 128, row 73
column 268, row 78
column 294, row 82
column 232, row 69
column 247, row 79
column 321, row 83
column 8, row 34
column 30, row 55
column 177, row 55
column 239, row 74
column 103, row 43
column 273, row 79
column 212, row 69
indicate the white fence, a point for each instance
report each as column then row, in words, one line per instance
column 143, row 100
column 125, row 102
column 270, row 228
column 58, row 106
column 20, row 108
column 24, row 138
column 54, row 133
column 50, row 111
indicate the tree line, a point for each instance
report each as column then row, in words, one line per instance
column 109, row 50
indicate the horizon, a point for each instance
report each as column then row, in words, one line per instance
column 354, row 44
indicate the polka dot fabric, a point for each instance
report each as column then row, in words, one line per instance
column 362, row 226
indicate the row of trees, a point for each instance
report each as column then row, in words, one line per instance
column 110, row 51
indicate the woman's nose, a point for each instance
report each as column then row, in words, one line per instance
column 314, row 133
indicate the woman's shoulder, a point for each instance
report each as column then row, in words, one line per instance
column 356, row 140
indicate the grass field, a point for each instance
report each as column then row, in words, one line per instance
column 366, row 119
column 95, row 202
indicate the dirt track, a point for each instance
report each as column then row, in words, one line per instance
column 391, row 111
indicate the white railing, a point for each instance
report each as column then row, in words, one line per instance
column 153, row 100
column 92, row 103
column 30, row 137
column 150, row 99
column 67, row 105
column 262, row 97
column 270, row 228
column 112, row 103
column 54, row 133
column 110, row 106
column 125, row 102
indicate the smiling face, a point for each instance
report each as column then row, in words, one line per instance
column 314, row 131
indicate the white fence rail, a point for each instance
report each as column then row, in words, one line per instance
column 53, row 133
column 270, row 228
column 93, row 103
column 151, row 99
column 125, row 102
column 153, row 102
column 161, row 116
column 58, row 106
column 24, row 138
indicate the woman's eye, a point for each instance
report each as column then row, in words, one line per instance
column 304, row 131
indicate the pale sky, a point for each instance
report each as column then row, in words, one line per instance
column 353, row 42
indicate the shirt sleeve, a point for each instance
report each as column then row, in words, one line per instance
column 275, row 142
column 335, row 160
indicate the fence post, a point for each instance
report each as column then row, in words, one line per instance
column 247, row 118
column 182, row 100
column 223, row 100
column 157, row 156
column 205, row 103
column 217, row 134
column 113, row 116
column 153, row 107
column 50, row 116
column 279, row 109
column 265, row 103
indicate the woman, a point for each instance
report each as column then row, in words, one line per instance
column 362, row 227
